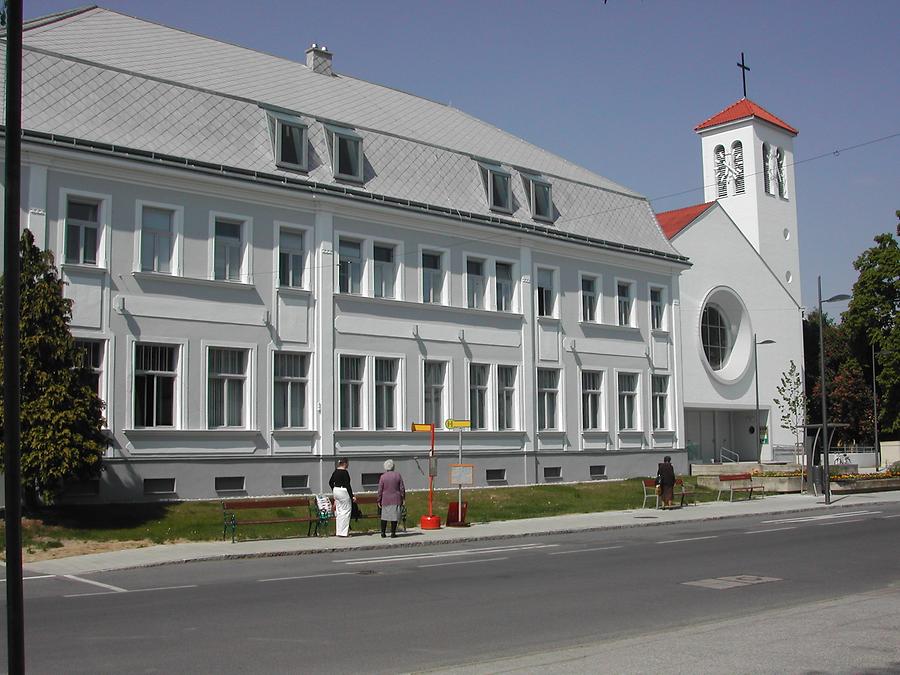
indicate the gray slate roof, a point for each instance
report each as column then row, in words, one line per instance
column 105, row 77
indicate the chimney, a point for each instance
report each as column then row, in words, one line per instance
column 318, row 59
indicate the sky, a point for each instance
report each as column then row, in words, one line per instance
column 619, row 87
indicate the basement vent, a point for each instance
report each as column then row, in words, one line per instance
column 229, row 483
column 495, row 476
column 298, row 483
column 370, row 481
column 598, row 472
column 82, row 488
column 552, row 474
column 159, row 486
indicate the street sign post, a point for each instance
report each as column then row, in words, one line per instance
column 459, row 425
column 431, row 521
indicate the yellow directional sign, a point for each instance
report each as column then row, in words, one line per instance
column 458, row 424
column 422, row 427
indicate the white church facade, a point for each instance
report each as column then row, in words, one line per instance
column 273, row 265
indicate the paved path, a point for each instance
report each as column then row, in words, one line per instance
column 177, row 553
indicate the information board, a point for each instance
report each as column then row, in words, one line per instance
column 462, row 474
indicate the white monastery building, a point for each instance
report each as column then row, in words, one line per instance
column 273, row 264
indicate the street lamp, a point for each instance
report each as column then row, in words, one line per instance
column 756, row 380
column 875, row 412
column 827, row 477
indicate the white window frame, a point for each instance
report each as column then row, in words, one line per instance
column 531, row 182
column 399, row 266
column 601, row 394
column 447, row 393
column 559, row 420
column 246, row 223
column 177, row 260
column 250, row 396
column 637, row 401
column 654, row 397
column 487, row 422
column 364, row 395
column 363, row 263
column 399, row 398
column 180, row 389
column 555, row 295
column 104, row 208
column 308, row 244
column 516, row 424
column 514, row 280
column 306, row 380
column 598, row 297
column 279, row 120
column 103, row 370
column 485, row 276
column 632, row 318
column 487, row 171
column 664, row 308
column 335, row 133
column 445, row 274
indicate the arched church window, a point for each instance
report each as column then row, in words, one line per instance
column 781, row 174
column 721, row 176
column 715, row 337
column 737, row 160
column 767, row 168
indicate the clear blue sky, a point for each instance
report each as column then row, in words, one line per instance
column 618, row 88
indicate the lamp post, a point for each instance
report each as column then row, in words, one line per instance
column 875, row 412
column 826, row 479
column 756, row 380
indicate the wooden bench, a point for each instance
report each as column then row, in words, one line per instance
column 736, row 482
column 301, row 511
column 650, row 491
column 368, row 509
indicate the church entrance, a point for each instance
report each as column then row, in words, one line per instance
column 714, row 436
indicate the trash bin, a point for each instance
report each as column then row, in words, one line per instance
column 818, row 476
column 453, row 518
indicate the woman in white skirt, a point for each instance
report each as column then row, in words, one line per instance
column 343, row 498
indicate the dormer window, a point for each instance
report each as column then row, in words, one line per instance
column 497, row 183
column 289, row 136
column 540, row 197
column 346, row 148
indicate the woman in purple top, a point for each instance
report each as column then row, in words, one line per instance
column 391, row 495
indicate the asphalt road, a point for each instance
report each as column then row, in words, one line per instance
column 441, row 606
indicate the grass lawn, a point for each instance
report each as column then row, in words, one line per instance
column 202, row 521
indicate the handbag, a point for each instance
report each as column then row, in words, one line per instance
column 658, row 490
column 355, row 513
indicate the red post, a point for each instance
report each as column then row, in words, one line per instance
column 431, row 521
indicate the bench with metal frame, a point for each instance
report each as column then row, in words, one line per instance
column 373, row 514
column 309, row 514
column 649, row 485
column 737, row 482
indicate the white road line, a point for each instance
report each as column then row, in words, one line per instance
column 445, row 554
column 86, row 595
column 774, row 529
column 826, row 516
column 464, row 562
column 676, row 541
column 584, row 550
column 308, row 576
column 842, row 522
column 39, row 576
column 109, row 587
column 896, row 515
column 161, row 588
column 483, row 549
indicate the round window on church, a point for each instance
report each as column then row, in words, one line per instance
column 714, row 335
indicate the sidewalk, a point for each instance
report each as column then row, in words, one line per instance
column 581, row 522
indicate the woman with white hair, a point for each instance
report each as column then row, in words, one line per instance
column 391, row 495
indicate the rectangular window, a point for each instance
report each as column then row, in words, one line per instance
column 385, row 271
column 295, row 483
column 349, row 266
column 475, row 284
column 229, row 483
column 588, row 299
column 82, row 231
column 598, row 471
column 548, row 395
column 660, row 401
column 291, row 145
column 591, row 399
column 623, row 293
column 657, row 309
column 504, row 287
column 386, row 371
column 92, row 358
column 435, row 374
column 290, row 258
column 351, row 383
column 155, row 371
column 347, row 155
column 506, row 397
column 498, row 186
column 227, row 376
column 369, row 481
column 228, row 250
column 545, row 294
column 541, row 200
column 432, row 278
column 157, row 239
column 495, row 475
column 159, row 486
column 478, row 391
column 552, row 474
column 289, row 390
column 628, row 383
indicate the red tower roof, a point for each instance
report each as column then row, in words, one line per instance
column 741, row 110
column 673, row 222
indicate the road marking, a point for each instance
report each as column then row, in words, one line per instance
column 774, row 529
column 464, row 562
column 676, row 541
column 161, row 588
column 108, row 587
column 585, row 550
column 827, row 516
column 723, row 583
column 842, row 522
column 896, row 515
column 445, row 554
column 116, row 592
column 309, row 576
column 39, row 576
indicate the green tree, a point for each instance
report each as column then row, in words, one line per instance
column 61, row 415
column 791, row 402
column 873, row 319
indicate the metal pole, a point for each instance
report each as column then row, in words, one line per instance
column 826, row 479
column 15, row 609
column 756, row 381
column 875, row 411
column 459, row 518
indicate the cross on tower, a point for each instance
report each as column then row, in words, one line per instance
column 744, row 70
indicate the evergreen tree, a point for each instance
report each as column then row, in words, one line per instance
column 61, row 415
